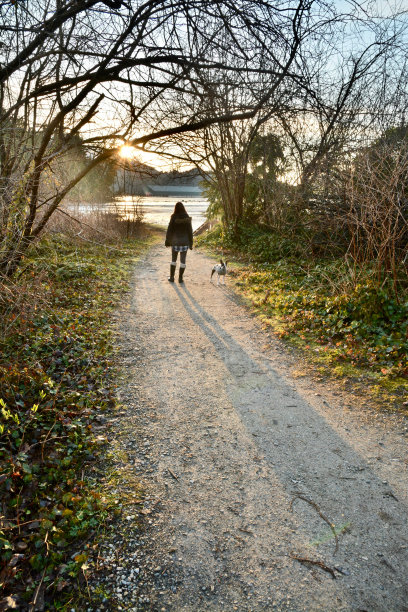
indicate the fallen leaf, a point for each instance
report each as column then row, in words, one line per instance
column 8, row 603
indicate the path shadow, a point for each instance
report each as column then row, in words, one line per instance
column 235, row 358
column 329, row 470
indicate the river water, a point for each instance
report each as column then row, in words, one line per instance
column 155, row 209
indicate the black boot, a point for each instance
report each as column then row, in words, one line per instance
column 181, row 272
column 172, row 272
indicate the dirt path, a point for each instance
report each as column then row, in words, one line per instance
column 245, row 466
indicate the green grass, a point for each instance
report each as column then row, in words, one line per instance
column 340, row 319
column 56, row 375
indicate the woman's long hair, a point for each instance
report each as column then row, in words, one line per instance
column 180, row 210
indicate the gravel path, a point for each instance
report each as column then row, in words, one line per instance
column 246, row 470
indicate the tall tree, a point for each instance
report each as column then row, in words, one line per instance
column 113, row 71
column 346, row 81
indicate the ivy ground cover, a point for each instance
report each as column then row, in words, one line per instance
column 56, row 376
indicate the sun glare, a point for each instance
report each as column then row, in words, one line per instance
column 127, row 152
column 149, row 158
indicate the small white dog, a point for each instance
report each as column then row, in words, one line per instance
column 221, row 270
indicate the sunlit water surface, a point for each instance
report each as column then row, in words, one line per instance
column 155, row 210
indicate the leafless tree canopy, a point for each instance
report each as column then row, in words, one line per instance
column 89, row 74
column 112, row 71
column 345, row 85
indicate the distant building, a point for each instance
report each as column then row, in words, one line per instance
column 141, row 180
column 186, row 191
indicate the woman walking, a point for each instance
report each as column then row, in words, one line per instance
column 180, row 237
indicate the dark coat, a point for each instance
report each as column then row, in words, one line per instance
column 179, row 231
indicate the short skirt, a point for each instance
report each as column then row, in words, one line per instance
column 180, row 249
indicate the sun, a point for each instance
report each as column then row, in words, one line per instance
column 127, row 152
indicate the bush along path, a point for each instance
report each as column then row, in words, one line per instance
column 238, row 485
column 55, row 381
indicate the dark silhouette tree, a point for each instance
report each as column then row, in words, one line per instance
column 134, row 71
